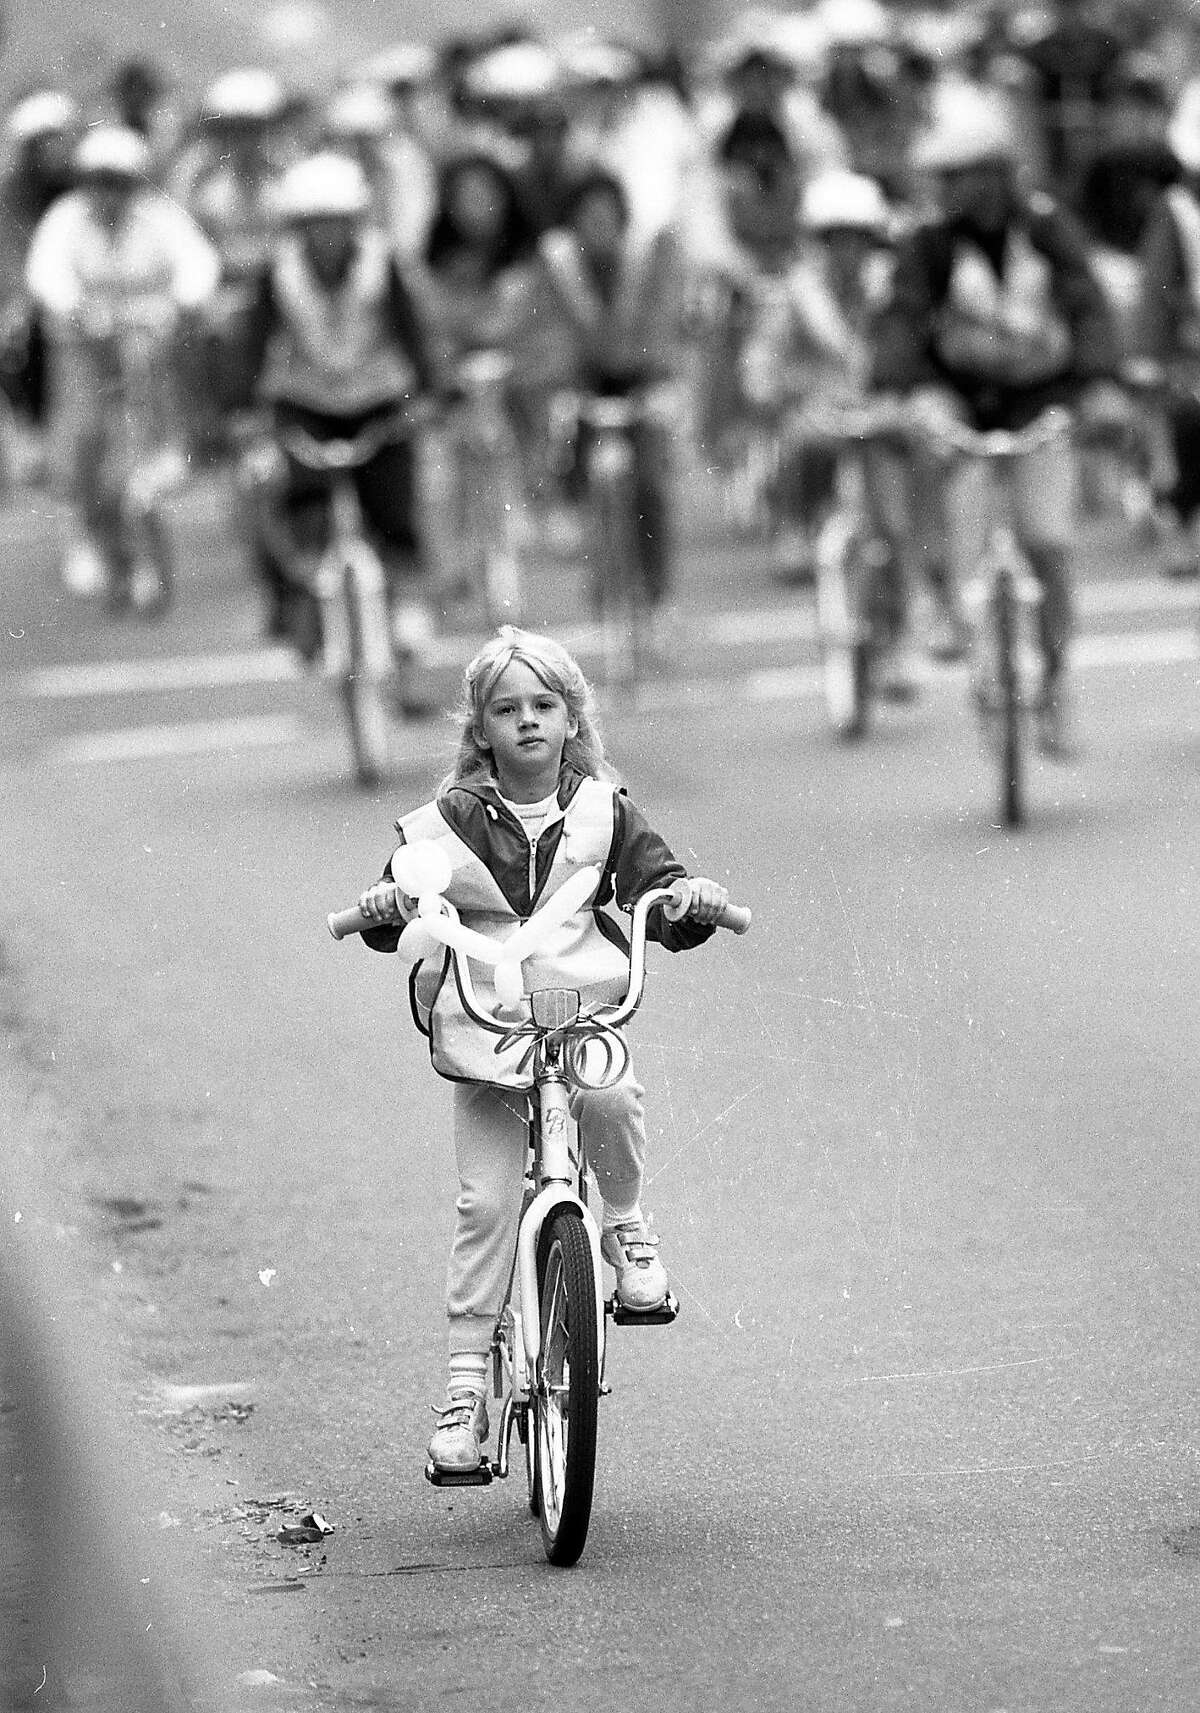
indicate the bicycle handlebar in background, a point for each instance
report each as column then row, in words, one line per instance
column 1051, row 425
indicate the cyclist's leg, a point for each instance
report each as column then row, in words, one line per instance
column 887, row 492
column 490, row 1146
column 1182, row 500
column 931, row 492
column 612, row 1125
column 387, row 491
column 1044, row 491
column 806, row 483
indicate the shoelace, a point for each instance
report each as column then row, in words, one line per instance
column 457, row 1413
column 637, row 1247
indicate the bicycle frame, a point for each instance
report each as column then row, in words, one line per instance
column 559, row 1174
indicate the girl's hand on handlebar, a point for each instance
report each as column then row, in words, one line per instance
column 706, row 901
column 386, row 904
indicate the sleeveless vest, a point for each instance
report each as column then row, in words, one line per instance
column 1006, row 329
column 578, row 955
column 335, row 351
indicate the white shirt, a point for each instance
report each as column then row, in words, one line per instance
column 157, row 259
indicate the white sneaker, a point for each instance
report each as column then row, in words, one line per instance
column 632, row 1251
column 83, row 568
column 461, row 1434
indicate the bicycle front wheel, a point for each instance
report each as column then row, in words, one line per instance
column 568, row 1390
column 363, row 690
column 843, row 578
column 1004, row 617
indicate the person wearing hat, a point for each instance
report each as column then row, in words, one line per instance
column 41, row 131
column 995, row 315
column 616, row 294
column 116, row 253
column 808, row 357
column 1167, row 333
column 228, row 183
column 361, row 119
column 337, row 343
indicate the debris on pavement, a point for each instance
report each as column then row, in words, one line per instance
column 311, row 1527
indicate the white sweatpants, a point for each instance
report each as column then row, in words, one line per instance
column 491, row 1140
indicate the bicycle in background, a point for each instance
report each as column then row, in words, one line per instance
column 343, row 620
column 1002, row 602
column 132, row 459
column 485, row 474
column 860, row 600
column 549, row 1347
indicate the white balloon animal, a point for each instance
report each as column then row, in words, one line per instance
column 423, row 871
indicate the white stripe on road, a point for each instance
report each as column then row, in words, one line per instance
column 753, row 627
column 150, row 743
column 140, row 743
column 178, row 672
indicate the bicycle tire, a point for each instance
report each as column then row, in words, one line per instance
column 615, row 585
column 1004, row 618
column 843, row 588
column 363, row 698
column 568, row 1389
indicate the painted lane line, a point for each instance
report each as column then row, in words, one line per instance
column 153, row 743
column 726, row 629
column 802, row 683
column 172, row 672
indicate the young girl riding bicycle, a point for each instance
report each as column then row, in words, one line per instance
column 531, row 801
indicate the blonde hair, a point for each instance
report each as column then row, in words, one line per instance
column 558, row 671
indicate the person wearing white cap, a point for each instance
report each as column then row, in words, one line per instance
column 337, row 343
column 362, row 120
column 227, row 182
column 114, row 254
column 1167, row 332
column 995, row 315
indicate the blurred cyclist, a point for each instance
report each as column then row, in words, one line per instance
column 995, row 315
column 1168, row 330
column 114, row 256
column 41, row 132
column 229, row 187
column 362, row 120
column 336, row 345
column 618, row 295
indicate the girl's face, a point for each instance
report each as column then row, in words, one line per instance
column 525, row 725
column 477, row 205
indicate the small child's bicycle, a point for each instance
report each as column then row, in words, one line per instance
column 549, row 1345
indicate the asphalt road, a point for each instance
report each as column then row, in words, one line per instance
column 923, row 1153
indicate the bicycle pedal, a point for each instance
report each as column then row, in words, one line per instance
column 663, row 1315
column 480, row 1477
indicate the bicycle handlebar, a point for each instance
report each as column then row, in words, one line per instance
column 337, row 455
column 342, row 923
column 734, row 917
column 989, row 443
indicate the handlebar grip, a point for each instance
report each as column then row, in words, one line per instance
column 343, row 923
column 736, row 918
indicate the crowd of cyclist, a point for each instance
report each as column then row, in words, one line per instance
column 978, row 212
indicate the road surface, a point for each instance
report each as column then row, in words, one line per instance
column 923, row 1154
